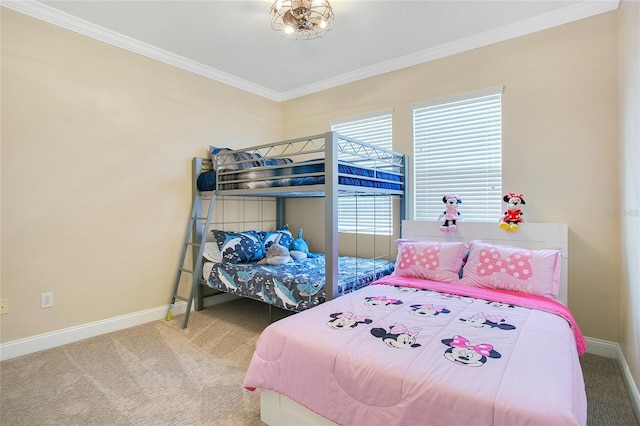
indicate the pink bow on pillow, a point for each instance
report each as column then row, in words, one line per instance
column 518, row 265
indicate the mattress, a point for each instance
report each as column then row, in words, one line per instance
column 295, row 286
column 304, row 173
column 407, row 351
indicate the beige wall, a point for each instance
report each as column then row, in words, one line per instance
column 96, row 187
column 630, row 189
column 560, row 139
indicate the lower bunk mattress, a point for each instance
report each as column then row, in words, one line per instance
column 294, row 286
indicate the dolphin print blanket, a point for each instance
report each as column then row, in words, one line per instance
column 407, row 351
column 295, row 286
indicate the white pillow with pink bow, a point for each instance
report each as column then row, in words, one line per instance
column 512, row 268
column 436, row 261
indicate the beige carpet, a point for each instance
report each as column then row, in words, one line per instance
column 153, row 374
column 608, row 401
column 159, row 374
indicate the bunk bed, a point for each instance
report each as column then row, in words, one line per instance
column 425, row 347
column 327, row 165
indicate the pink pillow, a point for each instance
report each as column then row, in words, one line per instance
column 437, row 261
column 513, row 268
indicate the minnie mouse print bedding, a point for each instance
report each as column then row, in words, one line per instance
column 409, row 351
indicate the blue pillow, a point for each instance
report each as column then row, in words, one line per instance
column 239, row 247
column 268, row 238
column 236, row 161
column 207, row 181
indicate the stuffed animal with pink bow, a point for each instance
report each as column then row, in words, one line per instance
column 450, row 214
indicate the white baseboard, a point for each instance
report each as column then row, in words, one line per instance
column 632, row 387
column 56, row 338
column 613, row 350
column 603, row 348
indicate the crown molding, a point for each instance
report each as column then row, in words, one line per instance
column 559, row 17
column 56, row 17
column 549, row 20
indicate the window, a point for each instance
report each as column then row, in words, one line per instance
column 372, row 215
column 457, row 149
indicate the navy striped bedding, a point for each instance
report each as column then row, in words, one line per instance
column 298, row 175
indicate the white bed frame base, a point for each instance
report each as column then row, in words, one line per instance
column 279, row 410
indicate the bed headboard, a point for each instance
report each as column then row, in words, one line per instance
column 533, row 236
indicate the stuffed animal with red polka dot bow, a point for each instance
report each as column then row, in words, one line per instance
column 511, row 218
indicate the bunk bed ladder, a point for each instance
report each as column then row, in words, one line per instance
column 195, row 238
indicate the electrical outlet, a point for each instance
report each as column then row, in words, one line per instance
column 4, row 306
column 46, row 300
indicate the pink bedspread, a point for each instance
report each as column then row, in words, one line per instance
column 421, row 354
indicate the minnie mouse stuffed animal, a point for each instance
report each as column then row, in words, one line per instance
column 450, row 214
column 513, row 216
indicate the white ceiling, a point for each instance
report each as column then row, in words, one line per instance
column 232, row 41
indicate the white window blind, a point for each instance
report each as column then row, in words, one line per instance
column 366, row 214
column 457, row 149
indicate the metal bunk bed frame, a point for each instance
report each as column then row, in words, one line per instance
column 333, row 148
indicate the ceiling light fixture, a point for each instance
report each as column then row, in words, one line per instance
column 301, row 19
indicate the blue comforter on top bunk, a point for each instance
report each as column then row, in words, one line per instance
column 295, row 286
column 264, row 178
